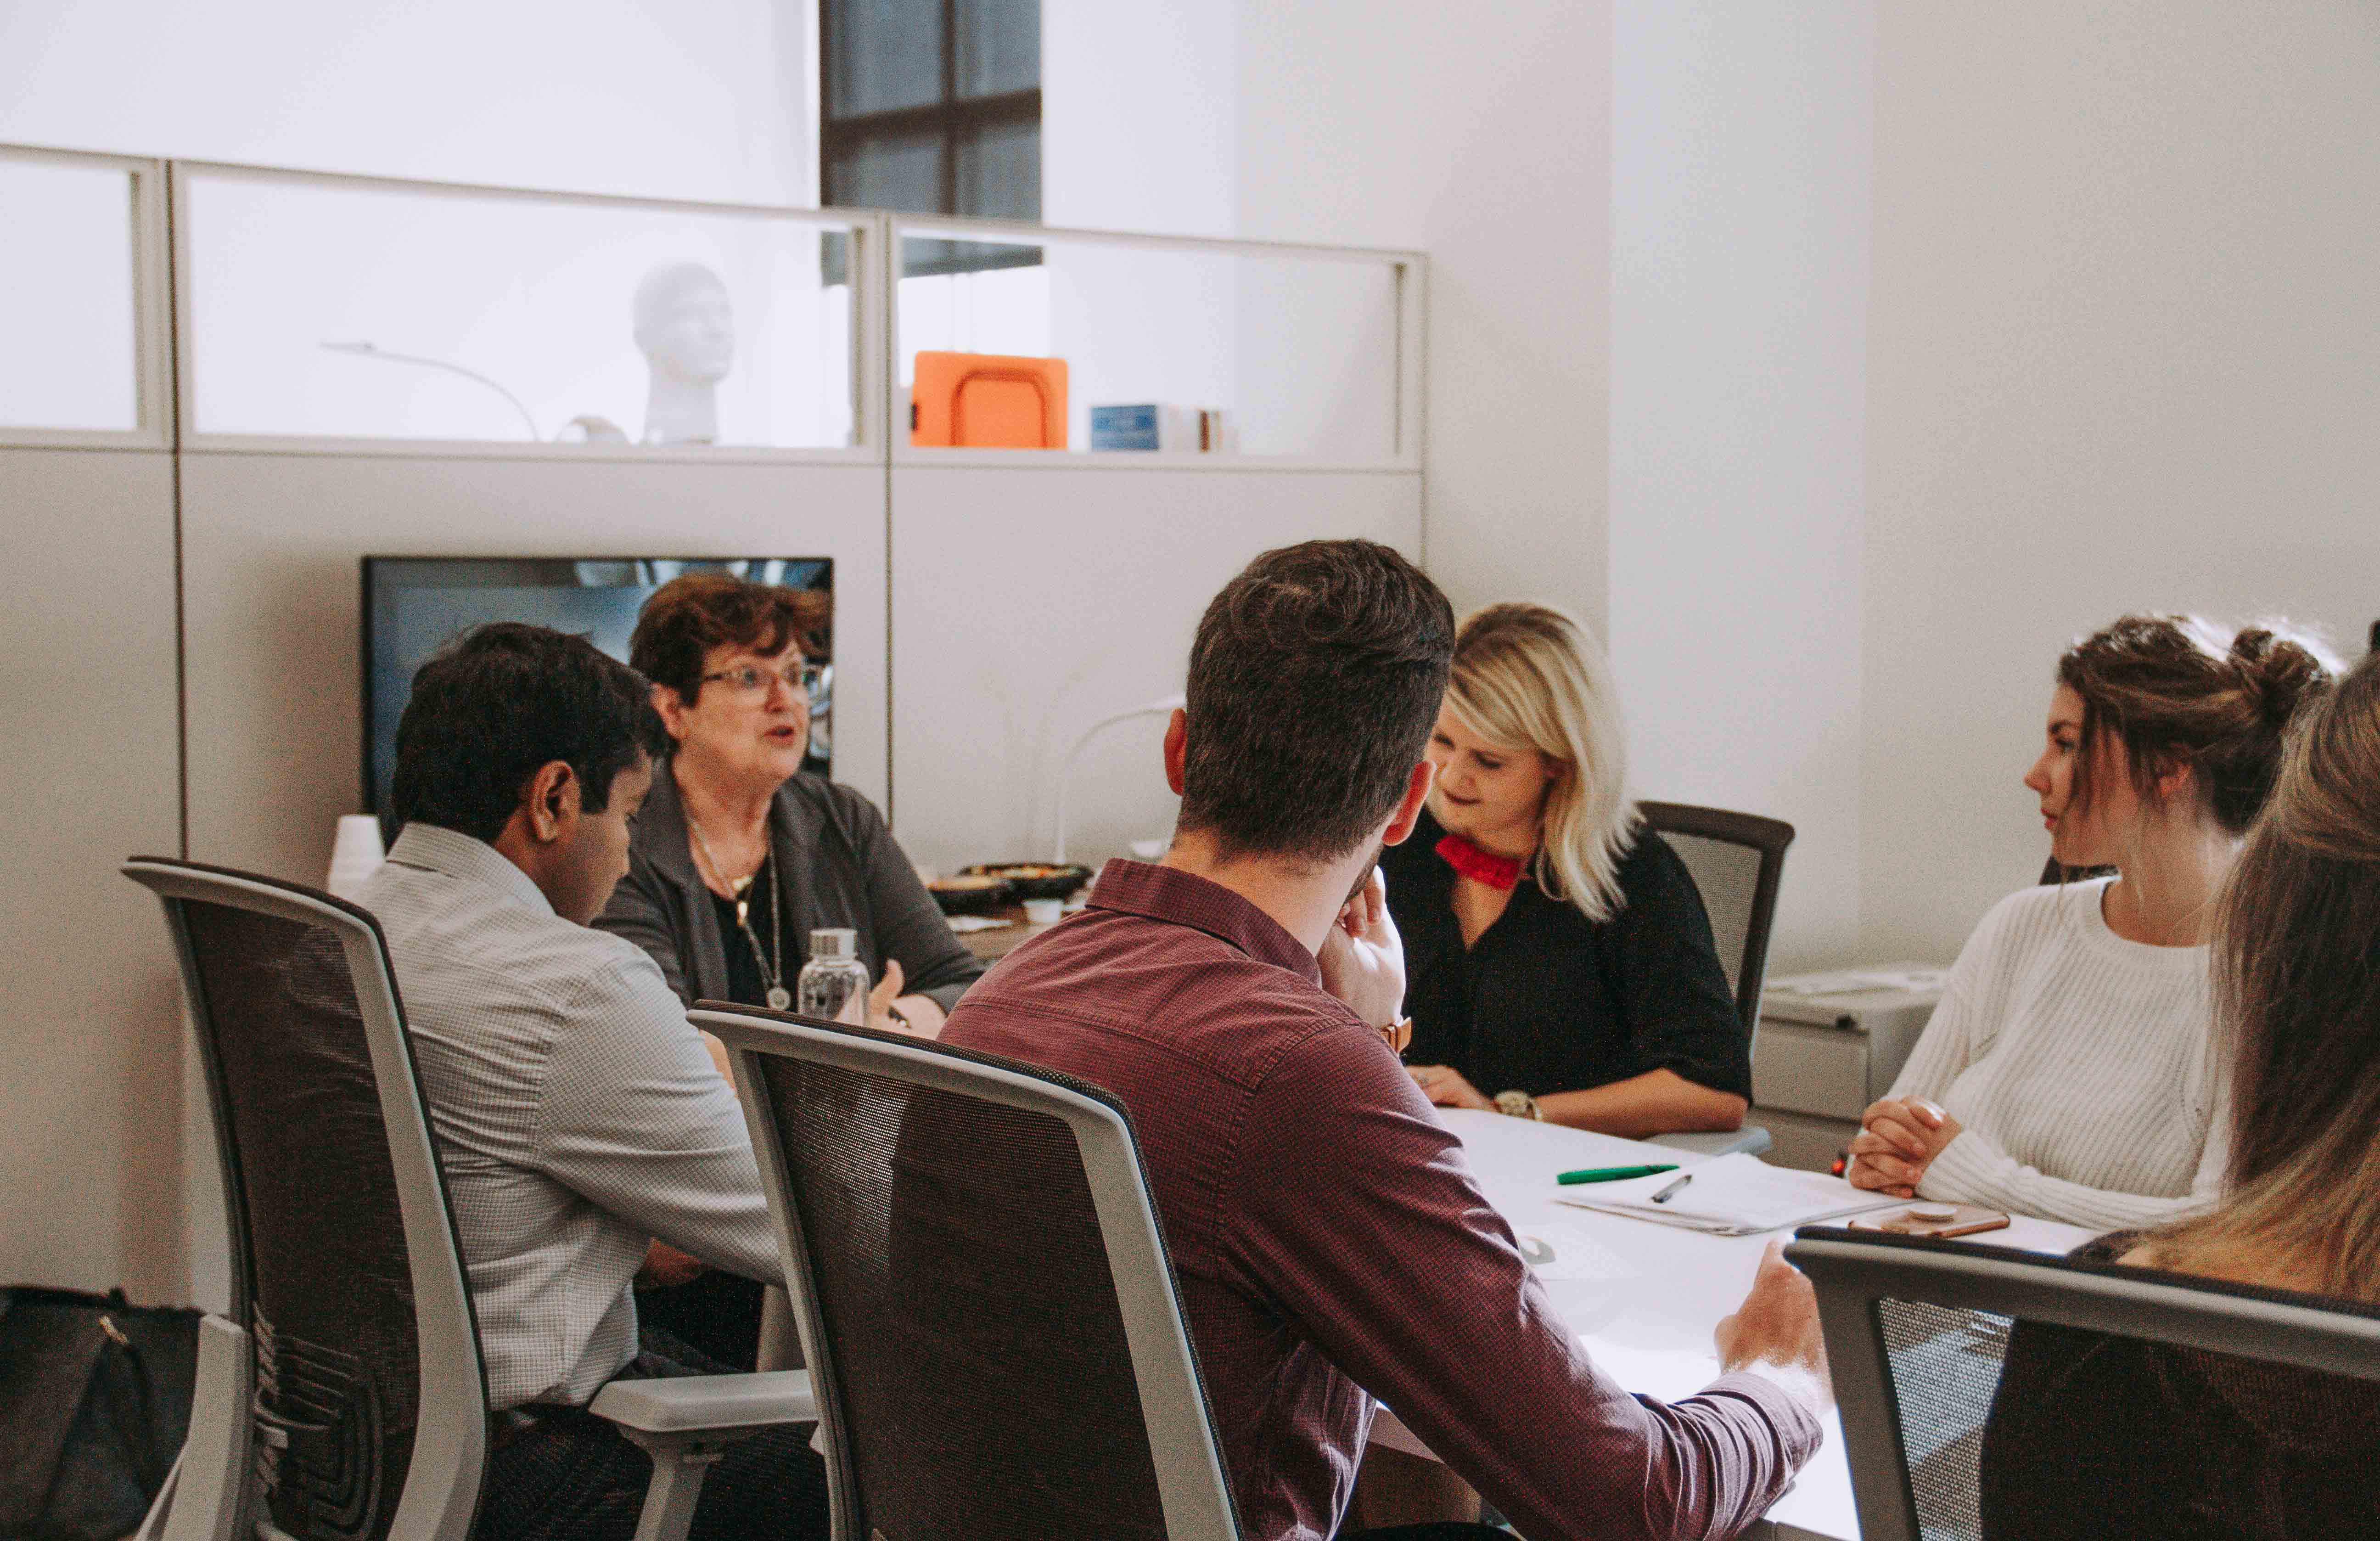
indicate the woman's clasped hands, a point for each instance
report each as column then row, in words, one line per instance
column 1897, row 1140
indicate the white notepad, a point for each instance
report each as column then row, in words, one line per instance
column 1732, row 1195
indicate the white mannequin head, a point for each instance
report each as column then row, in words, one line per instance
column 685, row 325
column 686, row 329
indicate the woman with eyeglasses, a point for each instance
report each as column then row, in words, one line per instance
column 738, row 855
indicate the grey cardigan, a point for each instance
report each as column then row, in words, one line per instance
column 837, row 865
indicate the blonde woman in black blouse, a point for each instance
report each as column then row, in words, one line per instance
column 1559, row 961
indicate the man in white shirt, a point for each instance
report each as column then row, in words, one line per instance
column 578, row 1114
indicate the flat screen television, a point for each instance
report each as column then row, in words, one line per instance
column 414, row 605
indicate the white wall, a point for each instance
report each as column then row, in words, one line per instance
column 1740, row 226
column 1481, row 136
column 1137, row 116
column 2125, row 353
column 697, row 99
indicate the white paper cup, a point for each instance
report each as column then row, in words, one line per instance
column 356, row 853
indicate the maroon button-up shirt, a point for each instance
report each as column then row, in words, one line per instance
column 1329, row 1241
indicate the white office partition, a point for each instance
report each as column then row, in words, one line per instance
column 89, row 1063
column 372, row 368
column 83, row 353
column 1311, row 353
column 271, row 551
column 1030, row 602
column 321, row 306
column 90, row 1059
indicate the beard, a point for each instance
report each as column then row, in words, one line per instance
column 1363, row 873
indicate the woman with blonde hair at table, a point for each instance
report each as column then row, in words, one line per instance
column 2069, row 1072
column 2096, row 1435
column 1559, row 960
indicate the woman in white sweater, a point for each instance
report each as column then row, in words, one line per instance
column 2070, row 1070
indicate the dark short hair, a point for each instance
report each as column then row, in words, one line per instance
column 690, row 614
column 503, row 699
column 1314, row 681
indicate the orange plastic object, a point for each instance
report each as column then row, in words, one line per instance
column 988, row 401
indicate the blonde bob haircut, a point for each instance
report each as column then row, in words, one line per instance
column 1529, row 677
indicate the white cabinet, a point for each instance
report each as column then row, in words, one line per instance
column 1829, row 1046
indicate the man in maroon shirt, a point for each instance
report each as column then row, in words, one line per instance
column 1330, row 1243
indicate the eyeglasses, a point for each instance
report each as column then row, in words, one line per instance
column 805, row 680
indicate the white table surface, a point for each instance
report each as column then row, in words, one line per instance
column 1643, row 1297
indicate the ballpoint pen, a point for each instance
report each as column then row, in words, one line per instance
column 1611, row 1174
column 1663, row 1196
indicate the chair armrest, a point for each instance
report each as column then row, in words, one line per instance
column 1751, row 1139
column 708, row 1403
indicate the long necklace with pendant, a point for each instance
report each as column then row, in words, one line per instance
column 774, row 966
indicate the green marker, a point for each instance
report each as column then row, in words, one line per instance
column 1611, row 1174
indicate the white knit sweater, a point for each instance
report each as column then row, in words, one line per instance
column 2080, row 1065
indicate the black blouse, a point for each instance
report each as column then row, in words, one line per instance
column 1546, row 1001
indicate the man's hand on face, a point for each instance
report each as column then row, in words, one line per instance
column 1362, row 958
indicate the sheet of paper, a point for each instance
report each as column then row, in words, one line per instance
column 1731, row 1195
column 1857, row 981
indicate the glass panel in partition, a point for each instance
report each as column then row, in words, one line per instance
column 375, row 311
column 68, row 354
column 1189, row 348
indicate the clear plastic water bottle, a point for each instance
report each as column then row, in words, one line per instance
column 834, row 984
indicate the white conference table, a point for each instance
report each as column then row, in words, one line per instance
column 1643, row 1297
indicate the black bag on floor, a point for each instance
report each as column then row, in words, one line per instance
column 95, row 1403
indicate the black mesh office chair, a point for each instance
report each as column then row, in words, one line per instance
column 1737, row 861
column 1917, row 1331
column 344, row 1399
column 981, row 1288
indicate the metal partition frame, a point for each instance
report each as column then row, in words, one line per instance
column 153, row 331
column 167, row 384
column 1410, row 276
column 869, row 307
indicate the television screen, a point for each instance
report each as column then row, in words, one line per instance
column 413, row 606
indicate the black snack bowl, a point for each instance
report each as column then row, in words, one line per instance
column 1033, row 879
column 970, row 892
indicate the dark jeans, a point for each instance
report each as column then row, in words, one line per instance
column 572, row 1478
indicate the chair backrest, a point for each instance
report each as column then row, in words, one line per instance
column 370, row 1404
column 1737, row 860
column 1917, row 1331
column 986, row 1306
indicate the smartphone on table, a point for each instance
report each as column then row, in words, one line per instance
column 1932, row 1220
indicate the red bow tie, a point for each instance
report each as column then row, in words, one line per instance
column 1476, row 864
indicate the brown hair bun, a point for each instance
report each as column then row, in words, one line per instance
column 2173, row 693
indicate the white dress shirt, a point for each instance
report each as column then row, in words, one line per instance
column 576, row 1111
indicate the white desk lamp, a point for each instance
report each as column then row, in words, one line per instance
column 1162, row 707
column 365, row 348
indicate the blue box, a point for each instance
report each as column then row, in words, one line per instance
column 1133, row 427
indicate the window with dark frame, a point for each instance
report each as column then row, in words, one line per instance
column 933, row 107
